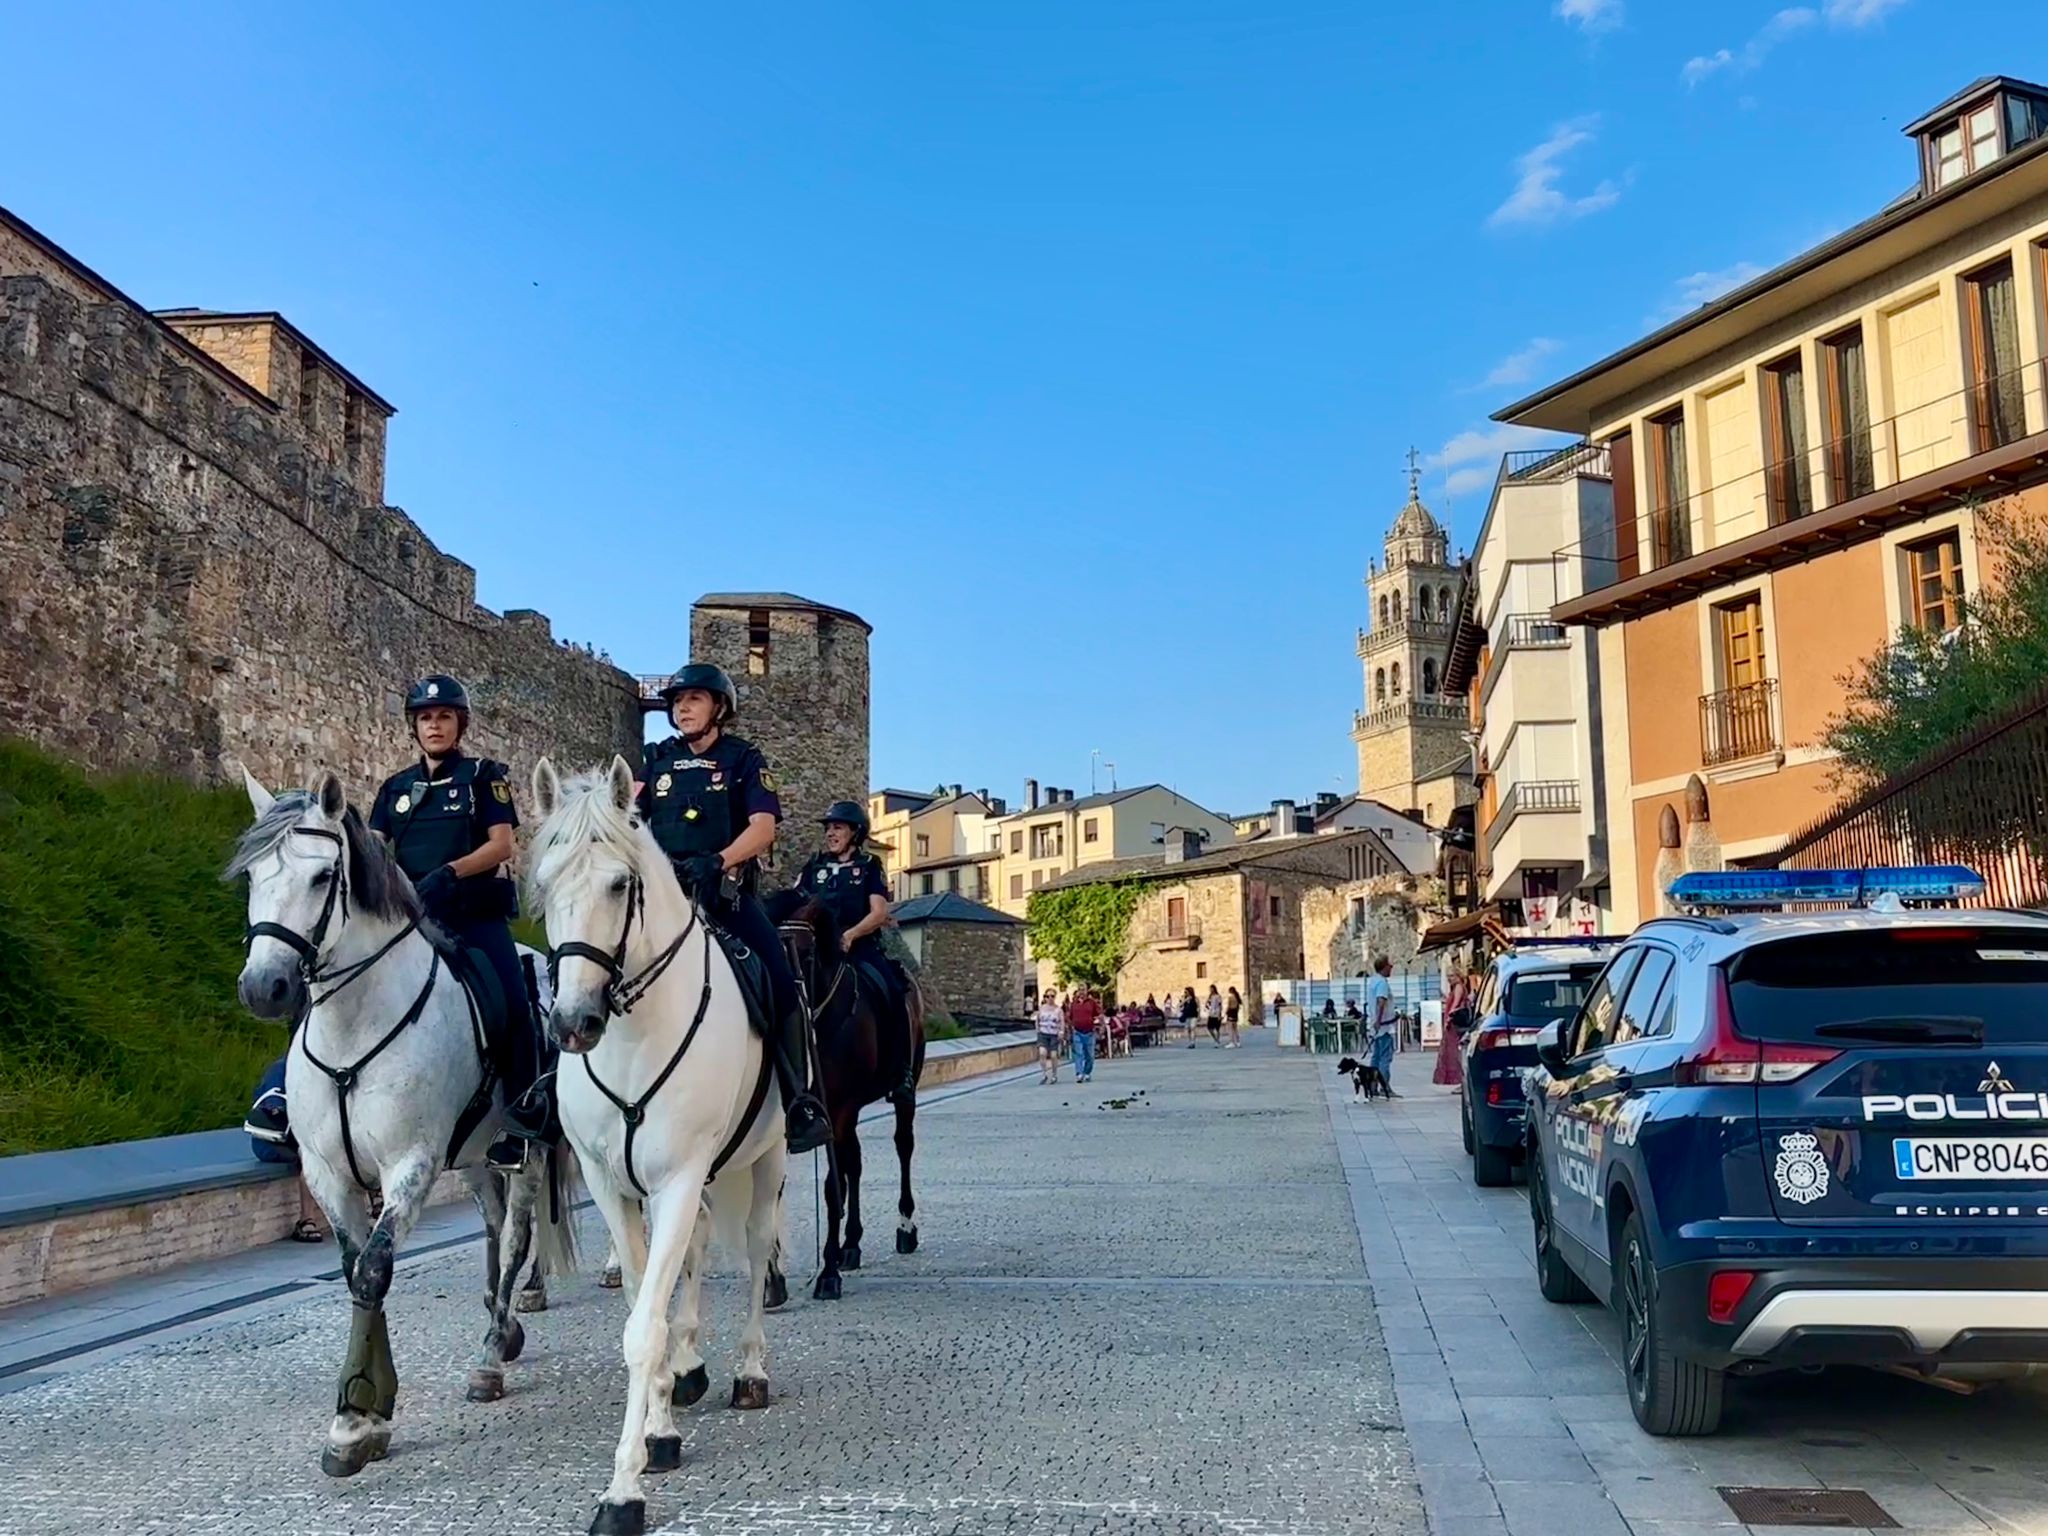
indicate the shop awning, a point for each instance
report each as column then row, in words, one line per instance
column 1456, row 930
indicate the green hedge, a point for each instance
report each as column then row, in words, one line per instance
column 119, row 949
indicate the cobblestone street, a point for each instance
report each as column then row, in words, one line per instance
column 1138, row 1307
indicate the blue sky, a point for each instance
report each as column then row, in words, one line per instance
column 1077, row 346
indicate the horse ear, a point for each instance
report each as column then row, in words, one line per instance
column 328, row 794
column 260, row 799
column 622, row 783
column 547, row 788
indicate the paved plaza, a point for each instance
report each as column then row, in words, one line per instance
column 1208, row 1293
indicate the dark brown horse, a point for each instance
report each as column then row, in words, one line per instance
column 860, row 1061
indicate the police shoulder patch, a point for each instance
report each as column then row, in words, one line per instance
column 502, row 791
column 768, row 777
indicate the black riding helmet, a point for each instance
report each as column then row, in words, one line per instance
column 437, row 690
column 712, row 679
column 849, row 813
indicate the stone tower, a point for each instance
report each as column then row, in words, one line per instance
column 802, row 673
column 1412, row 751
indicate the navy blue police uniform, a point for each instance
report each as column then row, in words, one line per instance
column 432, row 817
column 696, row 803
column 845, row 887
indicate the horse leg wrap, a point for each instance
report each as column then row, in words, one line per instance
column 369, row 1381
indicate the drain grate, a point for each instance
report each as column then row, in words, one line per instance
column 1807, row 1506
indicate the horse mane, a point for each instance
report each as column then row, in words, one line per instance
column 583, row 816
column 376, row 884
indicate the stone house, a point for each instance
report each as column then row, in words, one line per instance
column 1055, row 835
column 969, row 957
column 1232, row 918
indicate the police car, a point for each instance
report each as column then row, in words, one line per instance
column 1527, row 986
column 1782, row 1139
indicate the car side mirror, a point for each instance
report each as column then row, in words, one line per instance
column 1550, row 1048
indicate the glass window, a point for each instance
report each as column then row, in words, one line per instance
column 1016, row 842
column 1899, row 988
column 1949, row 164
column 1850, row 471
column 1934, row 583
column 1670, row 508
column 1540, row 996
column 1016, row 887
column 1785, row 481
column 924, row 844
column 1994, row 349
column 1983, row 128
column 1639, row 1010
column 1594, row 1027
column 1088, row 830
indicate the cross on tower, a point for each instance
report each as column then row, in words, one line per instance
column 1414, row 476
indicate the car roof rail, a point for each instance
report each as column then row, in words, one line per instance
column 1581, row 941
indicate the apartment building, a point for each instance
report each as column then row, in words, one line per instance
column 1056, row 834
column 1541, row 821
column 1797, row 470
column 932, row 844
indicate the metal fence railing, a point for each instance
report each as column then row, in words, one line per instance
column 1739, row 722
column 1982, row 802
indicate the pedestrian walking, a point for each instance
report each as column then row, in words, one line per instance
column 1052, row 1023
column 1457, row 1019
column 1382, row 1020
column 1233, row 1005
column 1190, row 1010
column 1212, row 1013
column 1083, row 1013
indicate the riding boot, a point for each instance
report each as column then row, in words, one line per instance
column 529, row 1107
column 808, row 1125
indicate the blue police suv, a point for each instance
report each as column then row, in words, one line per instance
column 1528, row 985
column 1798, row 1138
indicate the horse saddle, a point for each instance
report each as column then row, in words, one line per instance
column 752, row 972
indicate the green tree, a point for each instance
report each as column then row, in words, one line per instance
column 1923, row 691
column 1084, row 929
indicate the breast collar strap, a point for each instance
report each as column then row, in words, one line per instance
column 345, row 1078
column 635, row 1112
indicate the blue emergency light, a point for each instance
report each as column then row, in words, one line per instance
column 1788, row 887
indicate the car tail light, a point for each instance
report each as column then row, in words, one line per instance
column 1493, row 1093
column 1499, row 1039
column 1726, row 1057
column 1725, row 1290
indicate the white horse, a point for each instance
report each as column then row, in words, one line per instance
column 641, row 984
column 388, row 1058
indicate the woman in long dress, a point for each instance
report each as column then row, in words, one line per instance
column 1457, row 1019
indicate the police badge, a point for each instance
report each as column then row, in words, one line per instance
column 1801, row 1172
column 661, row 784
column 404, row 804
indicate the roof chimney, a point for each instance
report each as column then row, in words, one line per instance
column 1031, row 794
column 954, row 790
column 1283, row 819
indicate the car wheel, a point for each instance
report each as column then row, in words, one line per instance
column 1465, row 1122
column 1554, row 1277
column 1668, row 1396
column 1492, row 1167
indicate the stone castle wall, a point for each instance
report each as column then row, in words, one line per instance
column 975, row 970
column 808, row 713
column 187, row 586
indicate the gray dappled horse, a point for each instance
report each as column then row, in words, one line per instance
column 384, row 1064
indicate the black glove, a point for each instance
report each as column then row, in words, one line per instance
column 435, row 885
column 701, row 874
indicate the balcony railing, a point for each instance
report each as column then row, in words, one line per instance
column 1528, row 465
column 1936, row 435
column 1399, row 710
column 1401, row 630
column 1739, row 722
column 1530, row 797
column 1533, row 631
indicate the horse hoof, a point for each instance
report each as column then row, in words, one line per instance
column 774, row 1291
column 533, row 1299
column 827, row 1288
column 485, row 1385
column 611, row 1280
column 750, row 1392
column 664, row 1452
column 513, row 1341
column 906, row 1240
column 627, row 1519
column 690, row 1387
column 849, row 1256
column 348, row 1460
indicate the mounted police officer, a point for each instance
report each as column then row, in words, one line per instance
column 449, row 820
column 850, row 882
column 710, row 801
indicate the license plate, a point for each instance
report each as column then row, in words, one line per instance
column 1971, row 1157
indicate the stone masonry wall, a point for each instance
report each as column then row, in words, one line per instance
column 975, row 970
column 187, row 587
column 808, row 714
column 1397, row 910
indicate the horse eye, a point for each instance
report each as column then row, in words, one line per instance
column 322, row 878
column 619, row 886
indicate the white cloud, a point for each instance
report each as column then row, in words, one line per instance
column 1605, row 15
column 1519, row 367
column 1472, row 458
column 1859, row 13
column 1537, row 199
column 1697, row 288
column 1782, row 25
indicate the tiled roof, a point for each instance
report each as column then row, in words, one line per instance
column 948, row 907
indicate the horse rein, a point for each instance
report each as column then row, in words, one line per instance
column 622, row 992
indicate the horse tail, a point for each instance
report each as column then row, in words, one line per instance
column 555, row 1246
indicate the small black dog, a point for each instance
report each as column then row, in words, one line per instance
column 1367, row 1080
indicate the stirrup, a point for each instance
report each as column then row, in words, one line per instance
column 500, row 1154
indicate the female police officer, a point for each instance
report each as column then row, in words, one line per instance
column 850, row 882
column 449, row 820
column 710, row 802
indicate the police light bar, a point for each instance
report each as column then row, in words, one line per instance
column 1578, row 941
column 1787, row 887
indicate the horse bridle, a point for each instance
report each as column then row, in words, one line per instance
column 308, row 946
column 621, row 992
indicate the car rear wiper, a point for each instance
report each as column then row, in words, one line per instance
column 1918, row 1031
